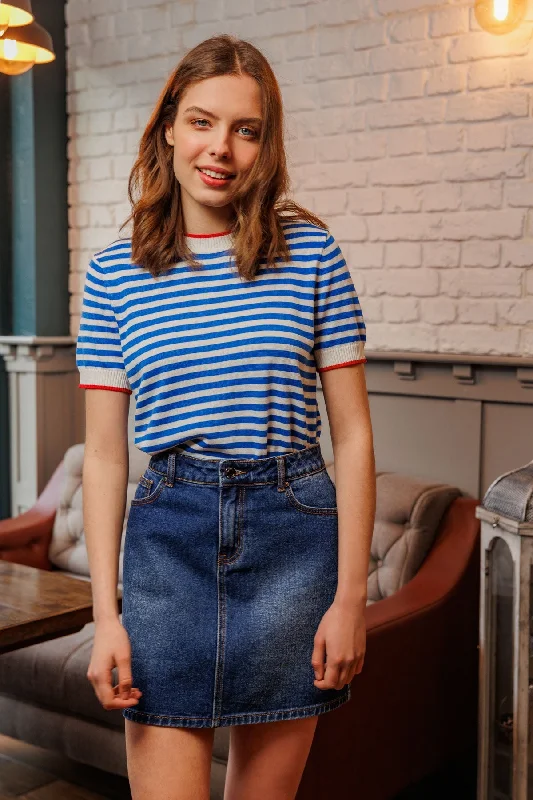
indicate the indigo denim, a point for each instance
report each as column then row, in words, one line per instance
column 229, row 566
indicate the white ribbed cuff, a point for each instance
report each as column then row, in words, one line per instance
column 107, row 378
column 339, row 354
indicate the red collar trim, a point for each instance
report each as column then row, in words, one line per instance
column 206, row 235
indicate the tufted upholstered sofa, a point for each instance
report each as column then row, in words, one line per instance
column 413, row 706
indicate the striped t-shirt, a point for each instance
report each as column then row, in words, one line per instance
column 221, row 367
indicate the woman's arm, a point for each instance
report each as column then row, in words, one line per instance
column 105, row 479
column 346, row 399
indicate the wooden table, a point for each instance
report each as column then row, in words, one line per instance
column 37, row 604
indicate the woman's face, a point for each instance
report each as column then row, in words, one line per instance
column 217, row 128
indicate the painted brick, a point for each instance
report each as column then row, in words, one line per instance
column 347, row 65
column 475, row 46
column 489, row 74
column 438, row 310
column 365, row 35
column 406, row 112
column 478, row 312
column 445, row 138
column 491, row 136
column 448, row 22
column 482, row 254
column 367, row 146
column 336, row 93
column 516, row 312
column 399, row 200
column 346, row 228
column 441, row 197
column 526, row 339
column 414, row 337
column 402, row 282
column 407, row 171
column 517, row 254
column 183, row 13
column 441, row 254
column 405, row 142
column 369, row 89
column 128, row 23
column 521, row 133
column 403, row 85
column 445, row 80
column 482, row 194
column 401, row 309
column 488, row 105
column 485, row 165
column 403, row 254
column 367, row 255
column 365, row 201
column 407, row 56
column 477, row 340
column 372, row 308
column 407, row 29
column 519, row 193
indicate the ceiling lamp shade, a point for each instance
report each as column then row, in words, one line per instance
column 14, row 13
column 499, row 16
column 22, row 47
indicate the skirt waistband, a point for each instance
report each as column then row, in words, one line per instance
column 274, row 469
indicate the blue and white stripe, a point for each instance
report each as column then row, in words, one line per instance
column 221, row 367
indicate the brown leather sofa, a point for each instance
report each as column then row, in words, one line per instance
column 413, row 707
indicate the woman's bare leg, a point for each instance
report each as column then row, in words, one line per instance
column 267, row 759
column 168, row 763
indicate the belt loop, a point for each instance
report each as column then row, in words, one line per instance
column 282, row 479
column 171, row 469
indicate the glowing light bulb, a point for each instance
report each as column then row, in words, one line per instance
column 501, row 10
column 14, row 59
column 499, row 16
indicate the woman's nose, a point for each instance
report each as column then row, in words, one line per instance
column 220, row 146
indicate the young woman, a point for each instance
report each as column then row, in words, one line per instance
column 245, row 567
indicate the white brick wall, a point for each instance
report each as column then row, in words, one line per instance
column 408, row 129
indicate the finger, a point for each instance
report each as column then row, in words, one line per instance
column 104, row 690
column 125, row 680
column 344, row 677
column 317, row 659
column 332, row 674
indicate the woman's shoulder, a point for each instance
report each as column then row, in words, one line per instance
column 114, row 258
column 303, row 235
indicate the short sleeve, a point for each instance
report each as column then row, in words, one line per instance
column 98, row 349
column 340, row 332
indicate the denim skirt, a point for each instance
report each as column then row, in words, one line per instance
column 229, row 566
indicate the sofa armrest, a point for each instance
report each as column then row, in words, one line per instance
column 26, row 539
column 414, row 705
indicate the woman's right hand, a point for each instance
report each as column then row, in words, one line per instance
column 112, row 648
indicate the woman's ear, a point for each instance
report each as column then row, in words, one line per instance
column 169, row 135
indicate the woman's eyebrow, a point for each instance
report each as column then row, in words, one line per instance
column 198, row 110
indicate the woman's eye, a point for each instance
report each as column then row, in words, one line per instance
column 195, row 121
column 251, row 133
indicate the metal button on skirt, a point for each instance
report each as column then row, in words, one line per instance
column 229, row 566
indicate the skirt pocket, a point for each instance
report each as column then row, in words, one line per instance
column 148, row 489
column 313, row 494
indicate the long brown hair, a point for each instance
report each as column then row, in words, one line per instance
column 260, row 201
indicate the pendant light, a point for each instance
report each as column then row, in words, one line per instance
column 14, row 13
column 23, row 46
column 499, row 16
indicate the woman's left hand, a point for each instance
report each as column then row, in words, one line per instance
column 342, row 636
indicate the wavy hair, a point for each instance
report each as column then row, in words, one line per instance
column 260, row 200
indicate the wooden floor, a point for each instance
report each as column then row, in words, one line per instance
column 30, row 773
